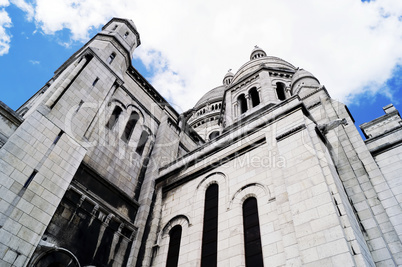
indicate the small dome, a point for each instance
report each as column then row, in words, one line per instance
column 301, row 79
column 300, row 74
column 257, row 53
column 215, row 94
column 228, row 78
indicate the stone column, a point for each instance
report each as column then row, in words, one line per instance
column 259, row 94
column 248, row 101
column 287, row 92
column 236, row 110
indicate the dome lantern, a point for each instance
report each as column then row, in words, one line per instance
column 228, row 78
column 257, row 53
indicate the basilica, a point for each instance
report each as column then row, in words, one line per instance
column 98, row 169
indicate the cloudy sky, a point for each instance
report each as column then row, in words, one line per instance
column 353, row 47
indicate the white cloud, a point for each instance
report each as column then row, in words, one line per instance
column 78, row 16
column 34, row 62
column 24, row 6
column 350, row 46
column 5, row 22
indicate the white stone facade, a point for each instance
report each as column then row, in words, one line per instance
column 97, row 169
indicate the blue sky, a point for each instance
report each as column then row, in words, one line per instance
column 185, row 54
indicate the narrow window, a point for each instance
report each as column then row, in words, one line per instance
column 174, row 246
column 128, row 130
column 95, row 81
column 111, row 58
column 252, row 239
column 126, row 34
column 79, row 105
column 115, row 27
column 210, row 230
column 255, row 99
column 114, row 117
column 30, row 178
column 142, row 142
column 242, row 103
column 58, row 137
column 280, row 91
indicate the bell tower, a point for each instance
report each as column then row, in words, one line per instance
column 124, row 31
column 116, row 43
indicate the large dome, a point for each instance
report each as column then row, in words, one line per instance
column 215, row 94
column 269, row 61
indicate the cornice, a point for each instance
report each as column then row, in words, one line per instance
column 149, row 89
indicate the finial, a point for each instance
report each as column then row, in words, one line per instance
column 229, row 70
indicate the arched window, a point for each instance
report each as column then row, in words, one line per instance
column 23, row 111
column 174, row 246
column 128, row 130
column 242, row 103
column 126, row 34
column 252, row 239
column 142, row 142
column 280, row 90
column 255, row 98
column 213, row 135
column 210, row 230
column 111, row 58
column 114, row 117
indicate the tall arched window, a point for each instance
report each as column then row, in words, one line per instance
column 252, row 239
column 128, row 130
column 242, row 103
column 114, row 117
column 280, row 90
column 255, row 98
column 174, row 246
column 209, row 250
column 142, row 142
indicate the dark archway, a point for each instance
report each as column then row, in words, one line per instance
column 280, row 90
column 255, row 98
column 128, row 130
column 174, row 246
column 252, row 237
column 241, row 99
